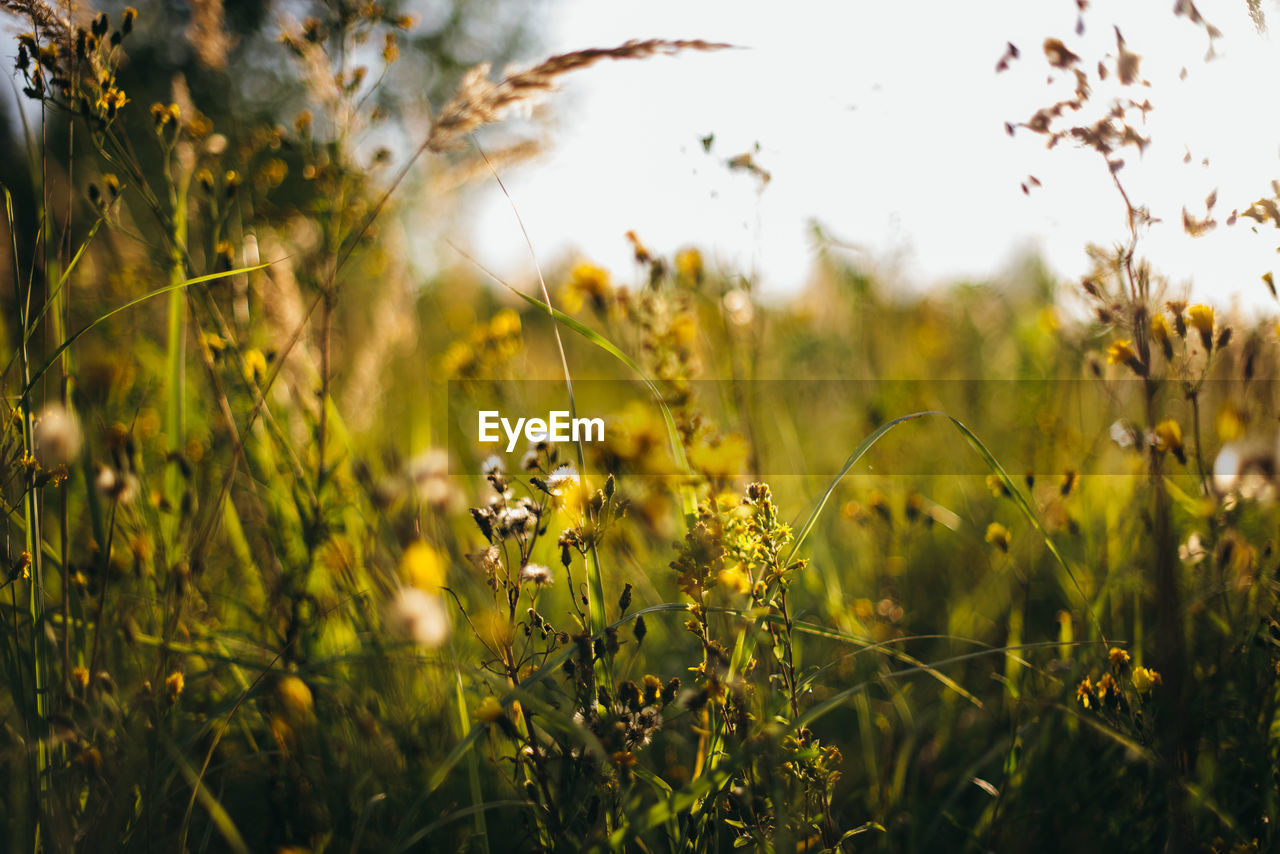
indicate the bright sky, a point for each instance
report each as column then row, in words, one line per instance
column 885, row 122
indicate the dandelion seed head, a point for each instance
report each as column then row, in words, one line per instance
column 419, row 616
column 562, row 476
column 537, row 574
column 58, row 435
column 1246, row 469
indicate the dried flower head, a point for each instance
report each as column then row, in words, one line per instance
column 562, row 477
column 1245, row 468
column 480, row 101
column 537, row 574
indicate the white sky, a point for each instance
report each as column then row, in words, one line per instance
column 884, row 121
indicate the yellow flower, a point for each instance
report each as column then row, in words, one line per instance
column 213, row 343
column 689, row 265
column 1106, row 687
column 733, row 578
column 587, row 282
column 1121, row 352
column 205, row 179
column 458, row 360
column 997, row 486
column 421, row 567
column 998, row 535
column 255, row 365
column 1229, row 423
column 295, row 700
column 1168, row 435
column 1201, row 319
column 80, row 676
column 505, row 323
column 1162, row 334
column 1084, row 692
column 722, row 457
column 490, row 710
column 174, row 684
column 1144, row 678
column 1118, row 657
column 684, row 330
column 110, row 101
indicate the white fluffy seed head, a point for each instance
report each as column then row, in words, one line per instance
column 419, row 616
column 58, row 435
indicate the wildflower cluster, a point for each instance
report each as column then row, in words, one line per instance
column 489, row 348
column 75, row 69
column 1120, row 693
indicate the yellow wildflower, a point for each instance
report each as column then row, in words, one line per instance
column 1168, row 435
column 723, row 457
column 689, row 265
column 735, row 579
column 1144, row 678
column 998, row 487
column 80, row 676
column 295, row 700
column 175, row 683
column 1121, row 352
column 255, row 365
column 490, row 710
column 505, row 323
column 1084, row 692
column 998, row 535
column 421, row 567
column 587, row 282
column 1118, row 657
column 1201, row 319
column 1106, row 687
column 1162, row 334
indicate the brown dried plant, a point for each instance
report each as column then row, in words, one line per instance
column 41, row 14
column 480, row 101
column 208, row 35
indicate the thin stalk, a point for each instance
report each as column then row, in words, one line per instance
column 175, row 413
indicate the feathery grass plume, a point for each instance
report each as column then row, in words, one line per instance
column 208, row 35
column 480, row 101
column 454, row 175
column 41, row 14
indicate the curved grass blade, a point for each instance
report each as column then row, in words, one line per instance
column 199, row 791
column 992, row 463
column 33, row 323
column 130, row 304
column 677, row 449
column 449, row 818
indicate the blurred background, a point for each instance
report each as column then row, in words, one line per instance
column 875, row 128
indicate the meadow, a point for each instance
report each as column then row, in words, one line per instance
column 989, row 568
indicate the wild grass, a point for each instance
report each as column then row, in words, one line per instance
column 263, row 590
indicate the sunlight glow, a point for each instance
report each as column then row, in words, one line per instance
column 885, row 123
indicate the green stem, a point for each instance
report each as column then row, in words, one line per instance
column 175, row 415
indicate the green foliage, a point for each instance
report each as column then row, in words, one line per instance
column 263, row 592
